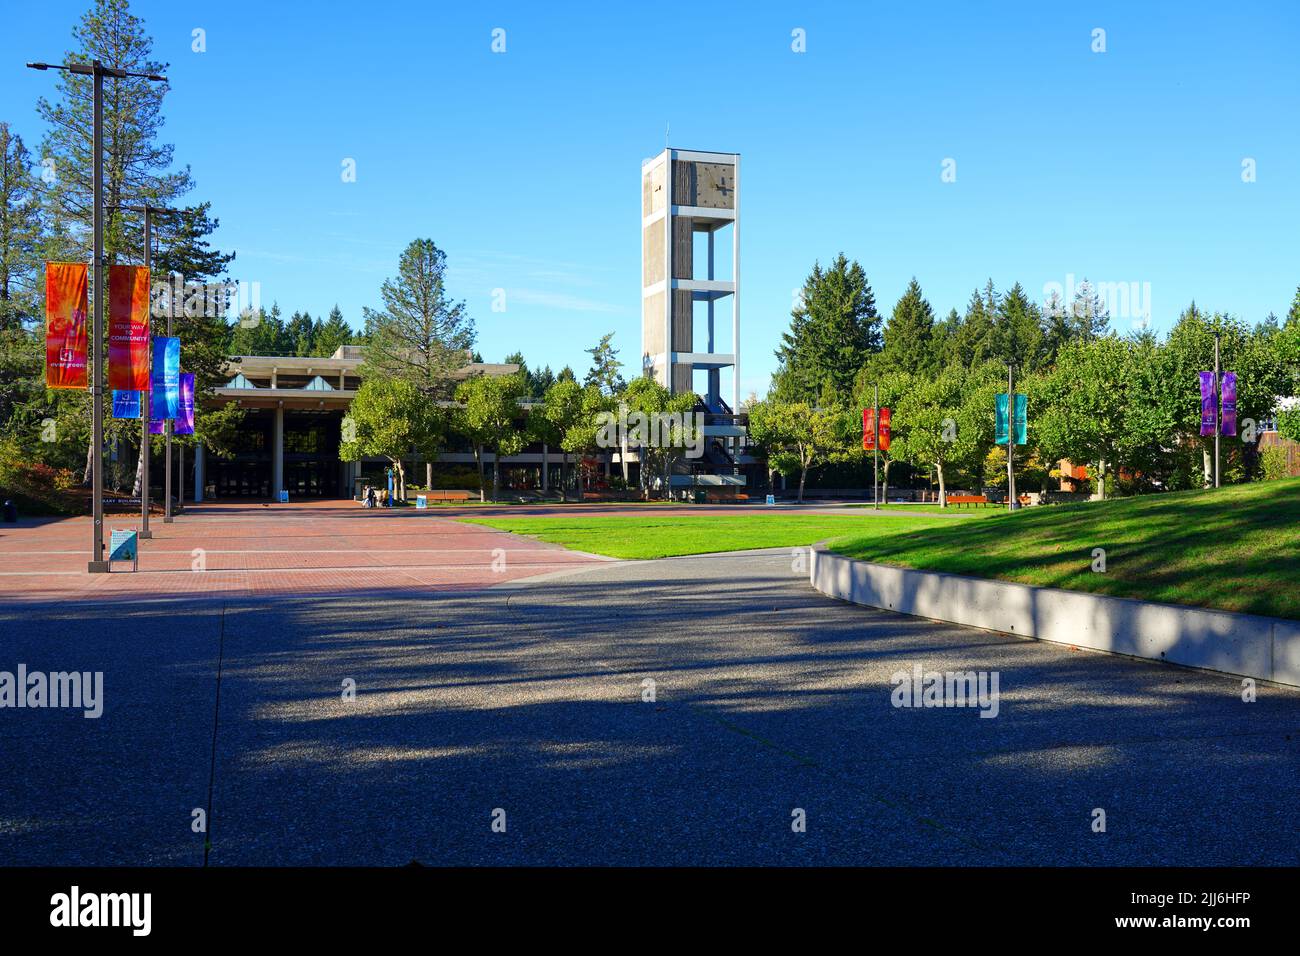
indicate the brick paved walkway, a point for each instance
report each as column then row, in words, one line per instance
column 248, row 549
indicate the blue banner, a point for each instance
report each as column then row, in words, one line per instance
column 1022, row 416
column 126, row 404
column 165, row 378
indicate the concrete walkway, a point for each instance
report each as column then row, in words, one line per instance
column 528, row 698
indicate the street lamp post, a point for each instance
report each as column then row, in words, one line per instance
column 1011, row 438
column 1218, row 400
column 148, row 212
column 97, row 70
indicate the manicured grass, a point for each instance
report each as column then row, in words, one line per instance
column 666, row 535
column 1235, row 548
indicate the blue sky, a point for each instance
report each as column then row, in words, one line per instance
column 1123, row 166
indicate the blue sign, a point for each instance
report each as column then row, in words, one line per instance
column 123, row 546
column 165, row 378
column 1022, row 414
column 126, row 404
column 284, row 497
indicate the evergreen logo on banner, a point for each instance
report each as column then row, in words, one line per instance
column 65, row 325
column 126, row 403
column 1022, row 418
column 165, row 379
column 128, row 328
column 1224, row 403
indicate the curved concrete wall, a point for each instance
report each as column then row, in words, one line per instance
column 1265, row 648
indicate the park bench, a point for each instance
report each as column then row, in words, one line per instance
column 447, row 495
column 968, row 499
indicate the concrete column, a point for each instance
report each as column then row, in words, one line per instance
column 546, row 462
column 199, row 460
column 277, row 453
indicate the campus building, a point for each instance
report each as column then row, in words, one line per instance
column 292, row 426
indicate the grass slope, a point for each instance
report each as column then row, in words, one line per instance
column 666, row 535
column 1235, row 548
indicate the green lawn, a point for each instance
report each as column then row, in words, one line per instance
column 665, row 535
column 1235, row 548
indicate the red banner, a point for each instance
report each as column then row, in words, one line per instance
column 65, row 325
column 128, row 328
column 869, row 429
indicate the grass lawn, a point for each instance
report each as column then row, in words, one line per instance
column 666, row 535
column 1235, row 548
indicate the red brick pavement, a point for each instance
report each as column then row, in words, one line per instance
column 247, row 549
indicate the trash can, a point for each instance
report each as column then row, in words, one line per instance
column 700, row 496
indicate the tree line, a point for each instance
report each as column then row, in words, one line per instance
column 1127, row 406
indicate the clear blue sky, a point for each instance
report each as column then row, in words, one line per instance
column 524, row 166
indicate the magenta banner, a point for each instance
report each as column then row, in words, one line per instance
column 1207, row 403
column 184, row 424
column 1228, row 420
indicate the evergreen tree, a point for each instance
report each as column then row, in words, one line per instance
column 605, row 367
column 332, row 333
column 137, row 167
column 908, row 337
column 20, row 233
column 421, row 334
column 1017, row 331
column 1090, row 314
column 834, row 330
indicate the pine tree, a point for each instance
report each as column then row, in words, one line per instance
column 137, row 167
column 908, row 337
column 421, row 335
column 605, row 367
column 1018, row 332
column 332, row 334
column 834, row 330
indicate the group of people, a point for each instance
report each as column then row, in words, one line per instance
column 372, row 497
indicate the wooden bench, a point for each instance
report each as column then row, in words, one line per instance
column 445, row 495
column 968, row 499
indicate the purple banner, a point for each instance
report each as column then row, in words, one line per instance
column 1207, row 403
column 184, row 424
column 1228, row 420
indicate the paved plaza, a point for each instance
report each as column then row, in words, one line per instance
column 523, row 694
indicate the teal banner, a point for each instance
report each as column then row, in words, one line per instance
column 1021, row 423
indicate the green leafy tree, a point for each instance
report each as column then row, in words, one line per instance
column 391, row 418
column 491, row 418
column 937, row 426
column 798, row 435
column 560, row 422
column 660, row 412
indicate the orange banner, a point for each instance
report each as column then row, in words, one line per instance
column 128, row 328
column 65, row 324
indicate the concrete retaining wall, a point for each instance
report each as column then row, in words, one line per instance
column 1265, row 648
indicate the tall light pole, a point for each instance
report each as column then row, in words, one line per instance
column 1218, row 400
column 875, row 465
column 97, row 70
column 1011, row 437
column 148, row 212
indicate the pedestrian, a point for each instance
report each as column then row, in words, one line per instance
column 370, row 496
